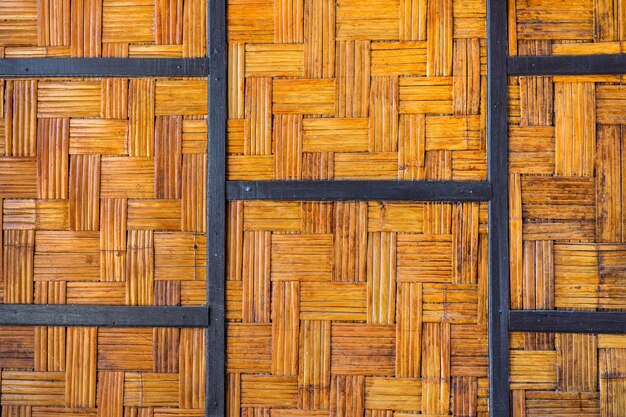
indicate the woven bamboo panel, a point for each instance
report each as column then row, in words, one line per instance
column 102, row 191
column 88, row 371
column 568, row 218
column 356, row 308
column 102, row 28
column 568, row 375
column 388, row 89
column 567, row 27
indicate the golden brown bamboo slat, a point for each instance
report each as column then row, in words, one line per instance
column 566, row 204
column 581, row 374
column 335, row 90
column 101, row 201
column 103, row 28
column 351, row 308
column 92, row 371
column 567, row 27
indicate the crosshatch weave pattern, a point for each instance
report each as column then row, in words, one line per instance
column 352, row 90
column 567, row 375
column 356, row 308
column 567, row 212
column 103, row 28
column 88, row 371
column 102, row 190
column 567, row 27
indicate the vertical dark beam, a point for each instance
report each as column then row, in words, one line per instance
column 497, row 135
column 216, row 207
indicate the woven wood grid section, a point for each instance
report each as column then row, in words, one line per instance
column 88, row 371
column 568, row 375
column 102, row 28
column 567, row 27
column 356, row 308
column 102, row 191
column 567, row 210
column 388, row 89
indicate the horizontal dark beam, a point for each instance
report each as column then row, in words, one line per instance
column 359, row 190
column 103, row 67
column 105, row 316
column 567, row 321
column 567, row 65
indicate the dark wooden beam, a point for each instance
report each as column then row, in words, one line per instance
column 449, row 191
column 216, row 208
column 103, row 67
column 567, row 321
column 567, row 64
column 102, row 316
column 497, row 167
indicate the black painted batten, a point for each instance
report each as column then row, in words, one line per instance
column 444, row 191
column 103, row 67
column 567, row 65
column 102, row 316
column 567, row 321
column 497, row 139
column 216, row 209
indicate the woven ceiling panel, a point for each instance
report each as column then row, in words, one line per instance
column 357, row 307
column 387, row 89
column 102, row 186
column 88, row 371
column 102, row 28
column 568, row 374
column 568, row 226
column 566, row 27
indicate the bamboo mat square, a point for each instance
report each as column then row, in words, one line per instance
column 567, row 212
column 356, row 308
column 103, row 28
column 566, row 27
column 568, row 374
column 88, row 371
column 352, row 90
column 102, row 191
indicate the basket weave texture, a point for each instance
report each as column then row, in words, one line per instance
column 388, row 89
column 568, row 374
column 566, row 192
column 357, row 308
column 102, row 186
column 88, row 371
column 566, row 27
column 102, row 28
